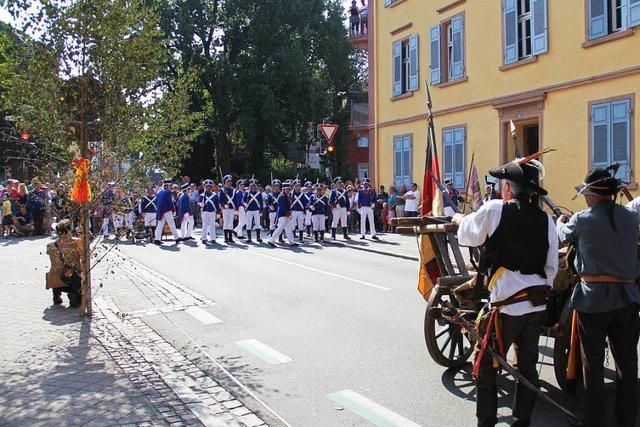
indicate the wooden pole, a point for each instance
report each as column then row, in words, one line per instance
column 466, row 187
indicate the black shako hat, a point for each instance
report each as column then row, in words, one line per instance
column 526, row 173
column 600, row 182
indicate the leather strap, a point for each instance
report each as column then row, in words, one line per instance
column 603, row 278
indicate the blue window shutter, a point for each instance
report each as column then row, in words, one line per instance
column 414, row 64
column 634, row 13
column 621, row 136
column 598, row 18
column 458, row 157
column 457, row 35
column 510, row 17
column 397, row 68
column 448, row 153
column 407, row 160
column 387, row 3
column 539, row 31
column 434, row 47
column 397, row 161
column 600, row 141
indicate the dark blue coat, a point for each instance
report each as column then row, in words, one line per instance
column 164, row 202
column 210, row 201
column 284, row 206
column 339, row 198
column 148, row 204
column 184, row 205
column 320, row 205
column 231, row 197
column 299, row 201
column 253, row 201
column 366, row 197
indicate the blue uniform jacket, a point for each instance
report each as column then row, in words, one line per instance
column 165, row 202
column 230, row 198
column 184, row 205
column 148, row 204
column 366, row 197
column 272, row 201
column 210, row 201
column 284, row 206
column 299, row 201
column 320, row 205
column 339, row 198
column 253, row 201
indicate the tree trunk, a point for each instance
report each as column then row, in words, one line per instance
column 223, row 151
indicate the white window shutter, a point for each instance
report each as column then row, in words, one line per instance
column 457, row 36
column 397, row 68
column 539, row 30
column 598, row 18
column 620, row 137
column 448, row 144
column 634, row 13
column 434, row 47
column 600, row 135
column 458, row 157
column 414, row 64
column 510, row 24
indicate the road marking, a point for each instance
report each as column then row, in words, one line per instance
column 328, row 273
column 370, row 410
column 202, row 315
column 264, row 352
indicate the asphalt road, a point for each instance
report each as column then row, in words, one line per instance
column 323, row 335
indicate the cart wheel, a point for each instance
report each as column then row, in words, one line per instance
column 447, row 345
column 561, row 355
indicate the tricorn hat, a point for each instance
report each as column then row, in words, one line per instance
column 600, row 182
column 527, row 172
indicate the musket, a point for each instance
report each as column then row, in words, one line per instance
column 221, row 176
column 445, row 193
column 451, row 314
column 545, row 199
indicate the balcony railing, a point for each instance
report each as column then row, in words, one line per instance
column 359, row 114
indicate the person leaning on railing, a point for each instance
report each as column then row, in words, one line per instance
column 354, row 19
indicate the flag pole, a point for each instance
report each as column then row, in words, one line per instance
column 468, row 182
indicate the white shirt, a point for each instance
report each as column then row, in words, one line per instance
column 635, row 205
column 411, row 205
column 474, row 230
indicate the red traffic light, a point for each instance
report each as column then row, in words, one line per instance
column 330, row 149
column 25, row 136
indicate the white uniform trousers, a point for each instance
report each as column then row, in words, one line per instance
column 168, row 218
column 227, row 219
column 307, row 219
column 318, row 222
column 105, row 226
column 242, row 221
column 366, row 212
column 150, row 219
column 339, row 214
column 186, row 228
column 284, row 224
column 272, row 220
column 208, row 226
column 298, row 219
column 253, row 220
column 123, row 220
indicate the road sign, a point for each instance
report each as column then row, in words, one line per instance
column 329, row 132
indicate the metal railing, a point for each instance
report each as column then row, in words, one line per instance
column 359, row 113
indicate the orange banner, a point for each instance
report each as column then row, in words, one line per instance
column 81, row 190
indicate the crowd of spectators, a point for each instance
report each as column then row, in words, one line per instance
column 358, row 19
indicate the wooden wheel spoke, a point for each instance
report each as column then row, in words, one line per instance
column 454, row 344
column 446, row 343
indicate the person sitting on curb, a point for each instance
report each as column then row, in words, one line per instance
column 23, row 222
column 64, row 254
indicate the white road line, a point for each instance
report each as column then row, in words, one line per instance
column 264, row 352
column 328, row 273
column 370, row 410
column 202, row 315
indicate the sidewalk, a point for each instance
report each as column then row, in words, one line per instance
column 111, row 370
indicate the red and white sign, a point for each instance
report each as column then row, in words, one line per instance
column 329, row 132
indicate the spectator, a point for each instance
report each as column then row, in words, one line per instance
column 354, row 18
column 454, row 196
column 384, row 217
column 23, row 195
column 23, row 221
column 412, row 200
column 64, row 276
column 391, row 206
column 60, row 203
column 7, row 216
column 194, row 196
column 401, row 201
column 364, row 18
column 379, row 206
column 38, row 206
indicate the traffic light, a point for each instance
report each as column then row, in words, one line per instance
column 25, row 136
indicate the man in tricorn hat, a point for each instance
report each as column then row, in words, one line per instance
column 607, row 297
column 522, row 246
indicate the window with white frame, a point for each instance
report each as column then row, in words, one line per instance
column 525, row 29
column 405, row 66
column 454, row 151
column 363, row 141
column 611, row 16
column 363, row 170
column 611, row 136
column 446, row 46
column 402, row 158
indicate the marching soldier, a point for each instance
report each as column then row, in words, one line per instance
column 242, row 217
column 164, row 213
column 308, row 193
column 607, row 297
column 254, row 205
column 522, row 246
column 210, row 204
column 454, row 197
column 272, row 204
column 319, row 208
column 366, row 201
column 148, row 209
column 284, row 222
column 229, row 202
column 298, row 209
column 185, row 213
column 123, row 217
column 339, row 201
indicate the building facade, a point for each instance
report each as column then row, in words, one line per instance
column 565, row 72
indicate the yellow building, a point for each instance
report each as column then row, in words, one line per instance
column 565, row 71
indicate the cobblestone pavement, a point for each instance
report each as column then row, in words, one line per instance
column 58, row 369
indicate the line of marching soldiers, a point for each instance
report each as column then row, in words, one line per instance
column 291, row 207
